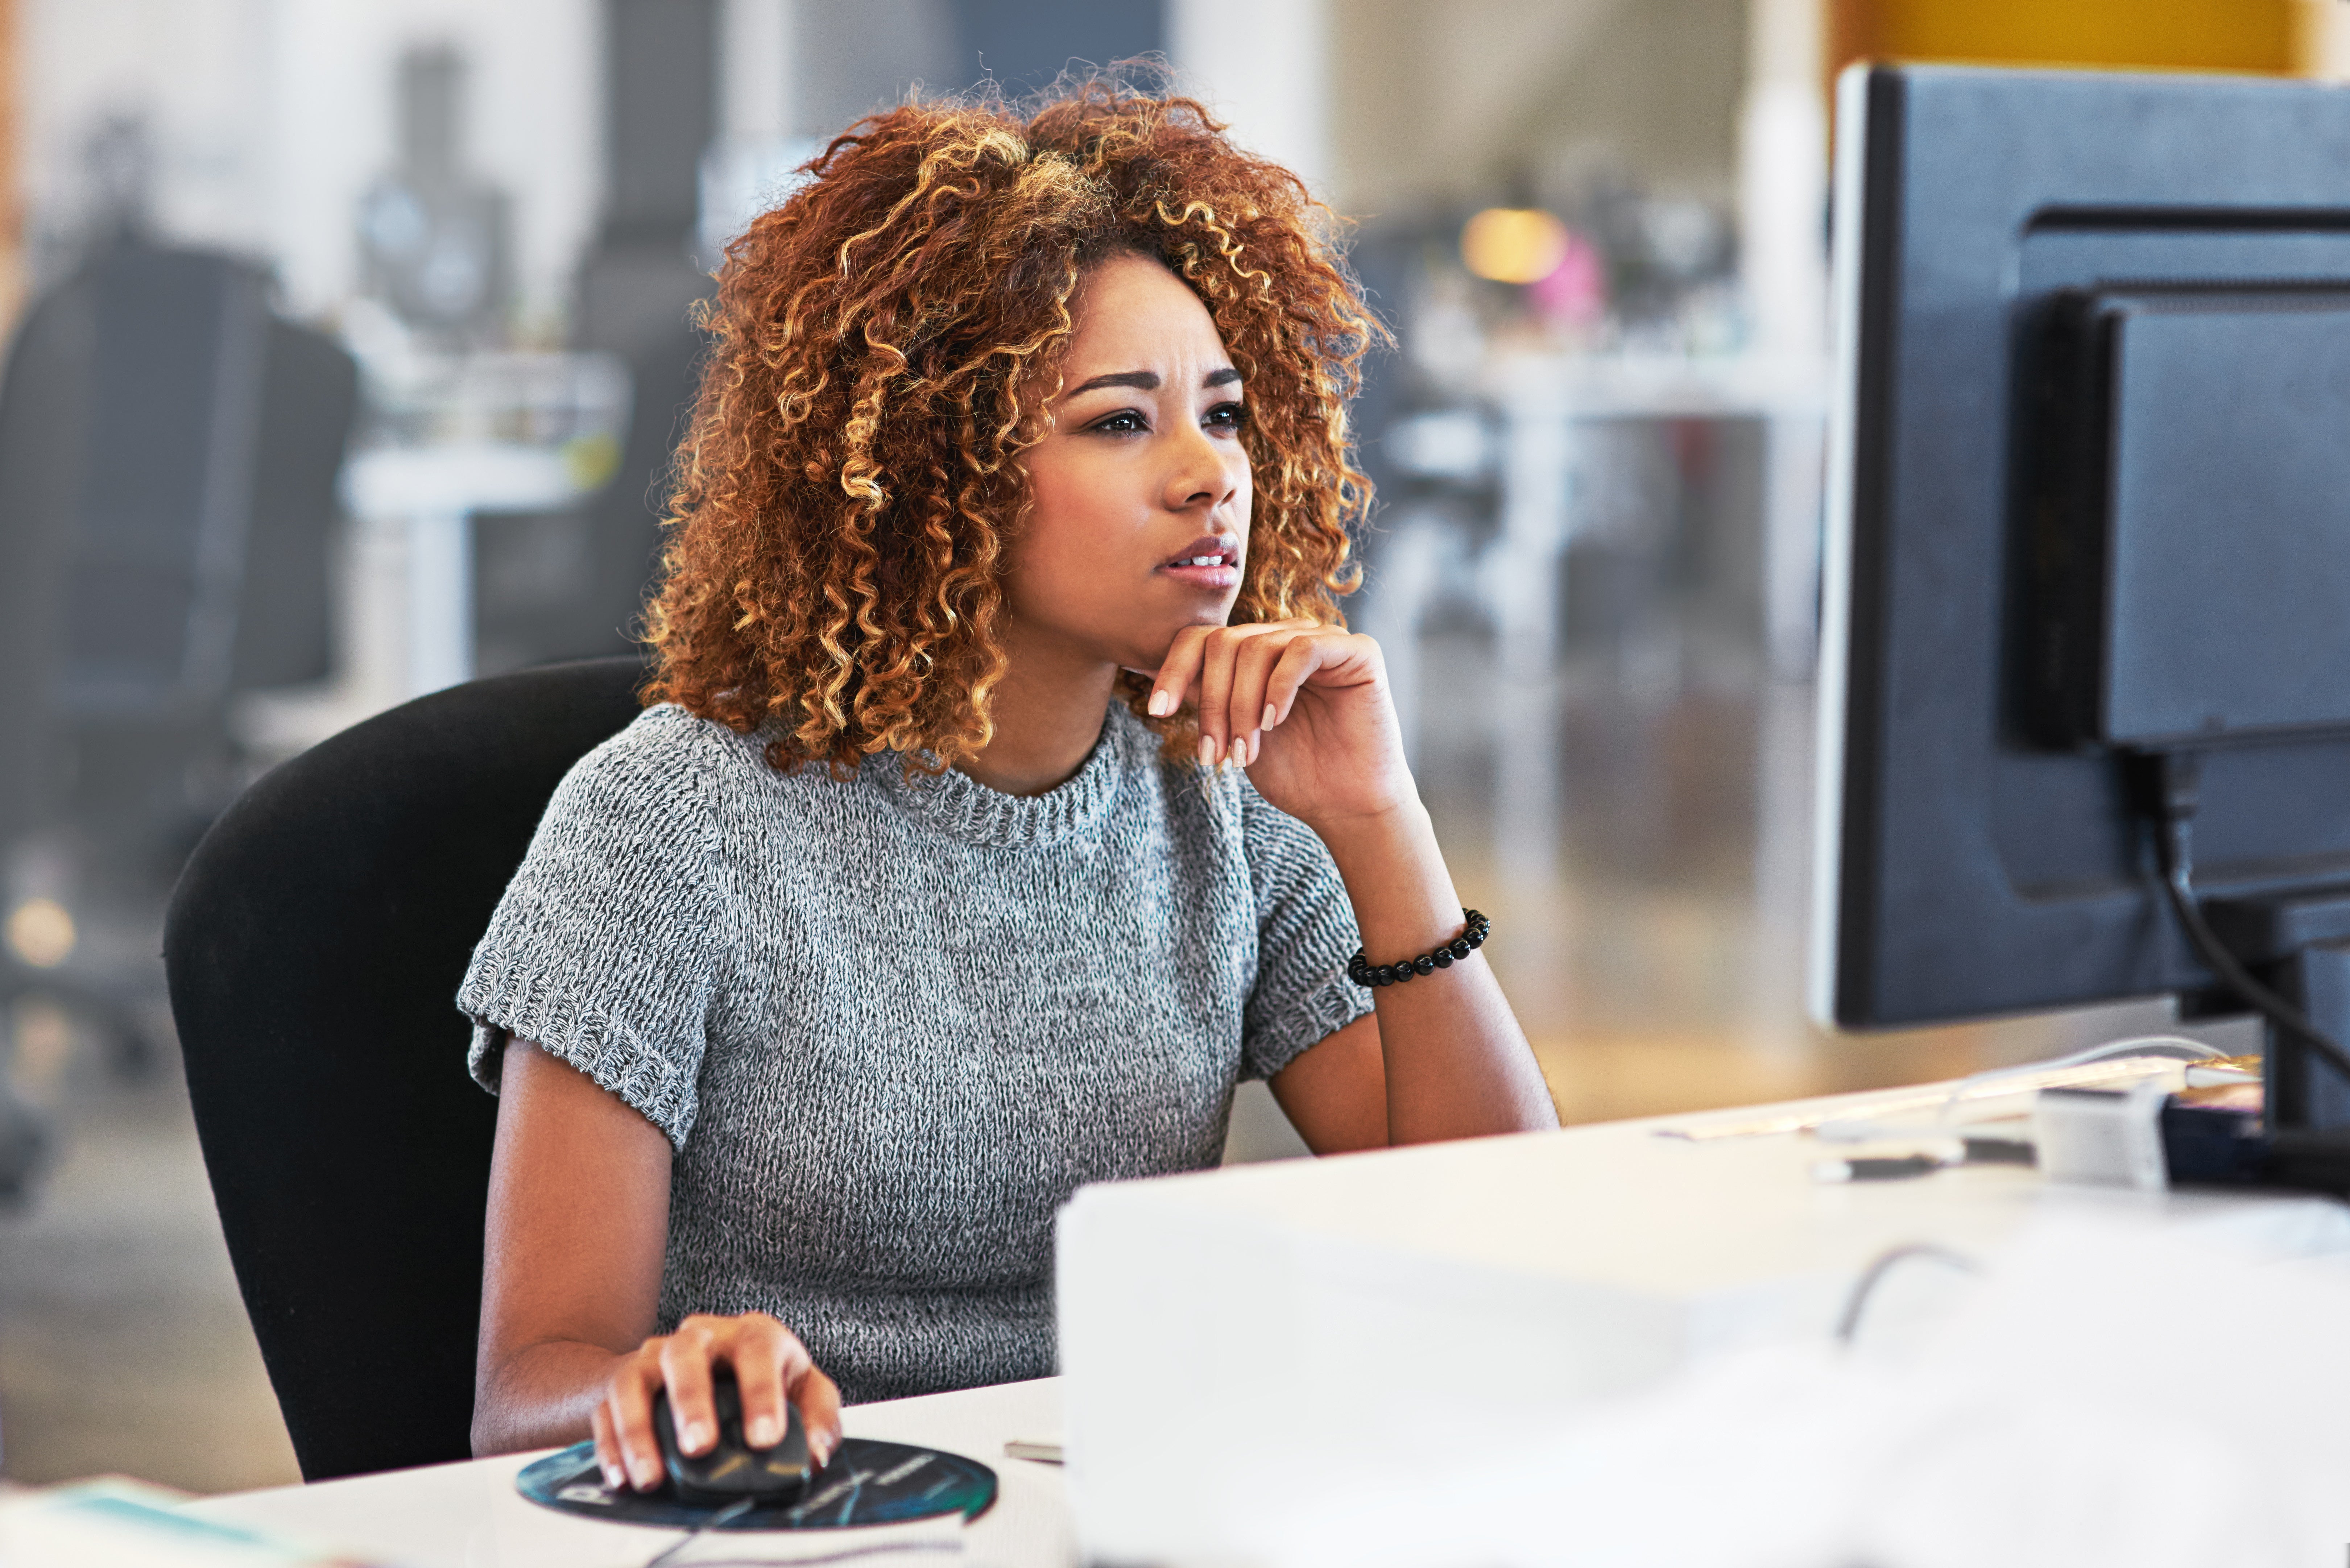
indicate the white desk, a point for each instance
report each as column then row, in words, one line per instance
column 470, row 1516
column 1226, row 1327
column 1275, row 1320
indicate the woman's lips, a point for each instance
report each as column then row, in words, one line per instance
column 1211, row 562
column 1213, row 574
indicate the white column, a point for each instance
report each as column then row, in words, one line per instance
column 1522, row 587
column 1782, row 243
column 1411, row 569
column 1265, row 68
column 748, row 168
column 1783, row 179
column 1795, row 471
column 755, row 69
column 1776, row 1029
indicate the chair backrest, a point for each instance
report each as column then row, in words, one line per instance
column 309, row 402
column 162, row 460
column 315, row 945
column 168, row 455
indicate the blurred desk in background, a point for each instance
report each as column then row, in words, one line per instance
column 414, row 507
column 1595, row 591
column 408, row 606
column 1543, row 397
column 459, row 436
column 1549, row 479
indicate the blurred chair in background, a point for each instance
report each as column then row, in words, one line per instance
column 167, row 456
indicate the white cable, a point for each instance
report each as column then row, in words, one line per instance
column 2169, row 1047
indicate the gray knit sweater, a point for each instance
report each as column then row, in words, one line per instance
column 890, row 1025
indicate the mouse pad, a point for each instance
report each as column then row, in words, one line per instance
column 867, row 1482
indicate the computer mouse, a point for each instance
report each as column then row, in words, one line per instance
column 732, row 1469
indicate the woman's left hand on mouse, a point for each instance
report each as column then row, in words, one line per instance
column 770, row 1365
column 1303, row 706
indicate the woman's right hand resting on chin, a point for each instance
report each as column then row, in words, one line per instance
column 578, row 1221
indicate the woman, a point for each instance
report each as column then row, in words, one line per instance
column 1009, row 791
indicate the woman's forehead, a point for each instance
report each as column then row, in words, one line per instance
column 1132, row 314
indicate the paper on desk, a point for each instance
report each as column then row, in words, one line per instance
column 130, row 1524
column 1969, row 1099
column 2114, row 1394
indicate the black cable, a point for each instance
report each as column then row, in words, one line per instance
column 1848, row 1320
column 731, row 1511
column 2175, row 798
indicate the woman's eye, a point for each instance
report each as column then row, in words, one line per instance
column 1125, row 422
column 1226, row 415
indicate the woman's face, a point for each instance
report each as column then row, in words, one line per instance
column 1139, row 516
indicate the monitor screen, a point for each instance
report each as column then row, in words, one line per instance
column 2089, row 506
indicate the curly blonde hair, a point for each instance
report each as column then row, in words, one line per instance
column 883, row 347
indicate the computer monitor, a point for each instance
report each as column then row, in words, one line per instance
column 2087, row 594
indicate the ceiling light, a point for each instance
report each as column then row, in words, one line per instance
column 41, row 932
column 1514, row 245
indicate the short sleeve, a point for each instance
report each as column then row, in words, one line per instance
column 1305, row 935
column 602, row 949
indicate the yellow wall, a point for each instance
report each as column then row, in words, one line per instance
column 2179, row 35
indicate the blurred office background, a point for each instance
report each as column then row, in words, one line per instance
column 350, row 338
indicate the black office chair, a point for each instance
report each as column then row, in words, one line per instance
column 314, row 948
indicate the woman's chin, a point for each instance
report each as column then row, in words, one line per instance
column 1144, row 654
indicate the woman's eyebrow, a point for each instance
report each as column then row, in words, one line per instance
column 1143, row 380
column 1148, row 380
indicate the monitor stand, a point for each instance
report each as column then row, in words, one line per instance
column 2298, row 942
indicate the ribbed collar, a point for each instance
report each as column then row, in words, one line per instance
column 960, row 807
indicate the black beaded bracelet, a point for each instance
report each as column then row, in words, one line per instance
column 1362, row 971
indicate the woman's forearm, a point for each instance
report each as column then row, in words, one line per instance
column 540, row 1396
column 1457, row 1064
column 577, row 1228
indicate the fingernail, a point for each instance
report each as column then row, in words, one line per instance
column 1161, row 704
column 647, row 1477
column 1207, row 751
column 1272, row 716
column 764, row 1432
column 697, row 1436
column 613, row 1477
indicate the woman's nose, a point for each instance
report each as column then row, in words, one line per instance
column 1198, row 476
